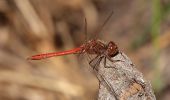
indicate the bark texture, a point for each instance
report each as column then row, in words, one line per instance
column 120, row 80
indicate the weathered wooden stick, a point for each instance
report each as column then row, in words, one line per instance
column 120, row 80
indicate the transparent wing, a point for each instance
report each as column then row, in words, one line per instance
column 95, row 64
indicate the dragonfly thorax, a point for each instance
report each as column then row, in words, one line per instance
column 94, row 47
column 98, row 47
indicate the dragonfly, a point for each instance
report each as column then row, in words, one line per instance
column 91, row 47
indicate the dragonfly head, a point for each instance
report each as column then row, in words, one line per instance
column 112, row 49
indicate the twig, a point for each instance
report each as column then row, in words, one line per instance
column 123, row 79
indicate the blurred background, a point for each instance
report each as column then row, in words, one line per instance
column 140, row 28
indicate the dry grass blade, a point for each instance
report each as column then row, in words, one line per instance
column 57, row 85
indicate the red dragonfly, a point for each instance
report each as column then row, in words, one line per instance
column 93, row 46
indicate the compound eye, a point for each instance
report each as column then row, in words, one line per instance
column 112, row 49
column 111, row 45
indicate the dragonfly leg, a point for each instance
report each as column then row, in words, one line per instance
column 109, row 58
column 105, row 65
column 114, row 61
